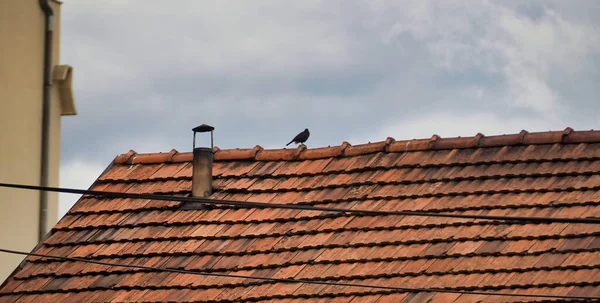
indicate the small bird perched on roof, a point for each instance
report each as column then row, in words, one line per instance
column 301, row 137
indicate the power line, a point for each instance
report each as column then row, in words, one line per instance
column 290, row 280
column 246, row 204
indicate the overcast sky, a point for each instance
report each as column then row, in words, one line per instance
column 147, row 71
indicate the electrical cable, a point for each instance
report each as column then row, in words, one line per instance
column 246, row 204
column 289, row 280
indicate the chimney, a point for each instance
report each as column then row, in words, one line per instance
column 202, row 164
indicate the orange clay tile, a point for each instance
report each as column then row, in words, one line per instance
column 237, row 154
column 182, row 157
column 323, row 152
column 412, row 145
column 544, row 137
column 502, row 140
column 279, row 154
column 154, row 157
column 455, row 143
column 368, row 148
column 124, row 158
column 582, row 137
column 546, row 174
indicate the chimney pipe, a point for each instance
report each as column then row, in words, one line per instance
column 202, row 164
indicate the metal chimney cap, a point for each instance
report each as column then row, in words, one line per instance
column 203, row 128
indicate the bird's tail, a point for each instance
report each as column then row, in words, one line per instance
column 289, row 143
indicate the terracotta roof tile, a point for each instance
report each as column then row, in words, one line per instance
column 368, row 148
column 182, row 157
column 279, row 154
column 582, row 137
column 455, row 143
column 323, row 152
column 550, row 174
column 503, row 140
column 237, row 154
column 124, row 158
column 412, row 145
column 153, row 157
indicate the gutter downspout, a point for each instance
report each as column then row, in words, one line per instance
column 45, row 163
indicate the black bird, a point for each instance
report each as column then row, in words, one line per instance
column 301, row 137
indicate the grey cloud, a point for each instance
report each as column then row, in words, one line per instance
column 146, row 72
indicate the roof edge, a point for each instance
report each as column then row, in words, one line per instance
column 566, row 136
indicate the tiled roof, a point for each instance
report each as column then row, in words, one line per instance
column 548, row 174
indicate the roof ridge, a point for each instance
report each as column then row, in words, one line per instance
column 390, row 145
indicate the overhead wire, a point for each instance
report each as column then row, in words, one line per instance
column 291, row 280
column 246, row 204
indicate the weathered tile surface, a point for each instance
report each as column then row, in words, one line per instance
column 550, row 174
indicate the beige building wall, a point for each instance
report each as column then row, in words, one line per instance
column 21, row 81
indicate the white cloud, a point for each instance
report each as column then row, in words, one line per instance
column 527, row 89
column 490, row 37
column 77, row 174
column 261, row 71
